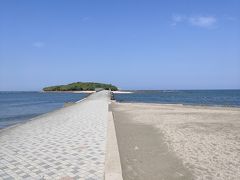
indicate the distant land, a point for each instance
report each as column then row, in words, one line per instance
column 81, row 86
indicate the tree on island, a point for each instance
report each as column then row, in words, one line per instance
column 81, row 86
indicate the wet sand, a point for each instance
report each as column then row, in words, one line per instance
column 177, row 142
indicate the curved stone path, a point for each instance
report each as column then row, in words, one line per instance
column 65, row 144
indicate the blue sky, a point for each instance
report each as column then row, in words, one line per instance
column 133, row 44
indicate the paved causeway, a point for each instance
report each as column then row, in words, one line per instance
column 66, row 144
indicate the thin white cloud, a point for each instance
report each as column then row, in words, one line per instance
column 177, row 18
column 38, row 44
column 203, row 21
column 199, row 21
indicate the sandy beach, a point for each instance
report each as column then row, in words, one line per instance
column 178, row 142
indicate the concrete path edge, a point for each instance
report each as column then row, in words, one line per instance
column 113, row 170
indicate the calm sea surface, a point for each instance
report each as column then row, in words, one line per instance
column 17, row 107
column 187, row 97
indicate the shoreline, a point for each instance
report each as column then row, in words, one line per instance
column 85, row 92
column 65, row 104
column 178, row 104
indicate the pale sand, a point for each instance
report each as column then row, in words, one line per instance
column 205, row 139
column 122, row 92
column 87, row 92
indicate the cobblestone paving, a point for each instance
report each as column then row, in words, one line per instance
column 66, row 144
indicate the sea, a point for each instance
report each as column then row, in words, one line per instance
column 229, row 98
column 17, row 107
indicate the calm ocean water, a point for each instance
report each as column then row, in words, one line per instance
column 17, row 107
column 187, row 97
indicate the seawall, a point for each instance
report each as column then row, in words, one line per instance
column 67, row 143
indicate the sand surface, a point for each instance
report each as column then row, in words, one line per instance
column 122, row 92
column 77, row 92
column 199, row 142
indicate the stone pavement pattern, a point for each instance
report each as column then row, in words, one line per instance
column 66, row 144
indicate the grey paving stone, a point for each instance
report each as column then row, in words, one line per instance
column 67, row 142
column 26, row 176
column 8, row 178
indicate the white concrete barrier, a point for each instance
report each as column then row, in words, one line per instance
column 113, row 170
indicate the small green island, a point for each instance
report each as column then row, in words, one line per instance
column 81, row 86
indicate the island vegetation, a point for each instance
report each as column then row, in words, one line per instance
column 81, row 86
